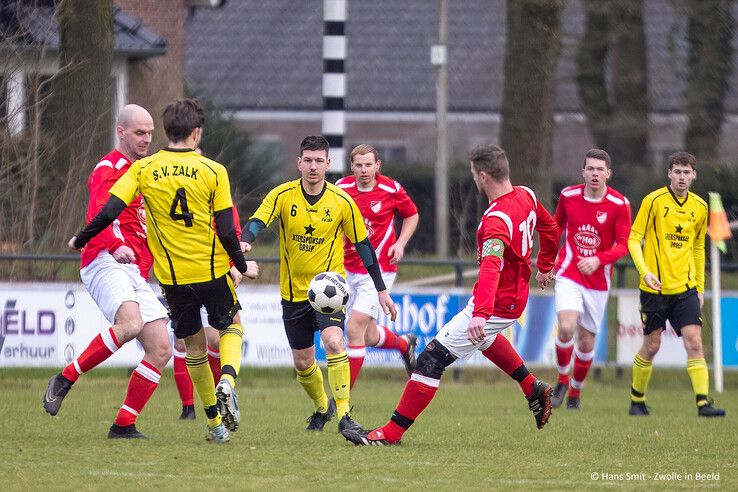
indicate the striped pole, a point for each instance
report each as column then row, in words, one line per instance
column 334, row 81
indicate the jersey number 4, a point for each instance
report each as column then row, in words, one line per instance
column 180, row 200
column 526, row 228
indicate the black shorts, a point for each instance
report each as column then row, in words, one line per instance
column 301, row 322
column 218, row 296
column 680, row 309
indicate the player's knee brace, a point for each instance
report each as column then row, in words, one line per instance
column 434, row 360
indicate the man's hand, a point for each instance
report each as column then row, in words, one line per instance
column 652, row 281
column 475, row 330
column 252, row 270
column 236, row 276
column 588, row 265
column 387, row 305
column 543, row 278
column 701, row 297
column 395, row 253
column 124, row 254
column 245, row 247
column 71, row 244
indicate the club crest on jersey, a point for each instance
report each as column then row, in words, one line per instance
column 327, row 215
column 376, row 206
column 601, row 217
column 587, row 240
column 493, row 247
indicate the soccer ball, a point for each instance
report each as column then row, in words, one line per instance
column 328, row 292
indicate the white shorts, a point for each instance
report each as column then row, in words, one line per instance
column 111, row 284
column 589, row 303
column 454, row 336
column 363, row 295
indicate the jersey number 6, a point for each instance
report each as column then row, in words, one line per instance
column 180, row 198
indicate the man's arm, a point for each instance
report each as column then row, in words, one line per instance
column 101, row 180
column 622, row 233
column 698, row 249
column 548, row 236
column 488, row 279
column 397, row 250
column 226, row 230
column 637, row 232
column 110, row 211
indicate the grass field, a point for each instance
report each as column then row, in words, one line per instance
column 478, row 434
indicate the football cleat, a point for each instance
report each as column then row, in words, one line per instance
column 707, row 410
column 124, row 432
column 639, row 408
column 361, row 437
column 219, row 433
column 408, row 357
column 347, row 422
column 55, row 392
column 228, row 405
column 539, row 402
column 188, row 412
column 573, row 403
column 559, row 393
column 317, row 421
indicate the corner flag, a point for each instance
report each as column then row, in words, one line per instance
column 719, row 230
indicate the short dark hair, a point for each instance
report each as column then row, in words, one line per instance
column 490, row 159
column 314, row 142
column 181, row 117
column 597, row 154
column 682, row 159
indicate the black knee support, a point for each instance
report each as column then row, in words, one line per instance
column 434, row 360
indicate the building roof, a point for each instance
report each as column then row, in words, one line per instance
column 257, row 55
column 36, row 26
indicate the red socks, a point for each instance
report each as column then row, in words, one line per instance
column 582, row 363
column 144, row 380
column 356, row 354
column 182, row 379
column 418, row 394
column 100, row 348
column 389, row 340
column 563, row 358
column 504, row 356
column 214, row 361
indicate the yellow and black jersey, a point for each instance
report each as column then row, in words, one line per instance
column 311, row 235
column 181, row 191
column 673, row 233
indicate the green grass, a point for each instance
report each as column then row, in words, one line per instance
column 477, row 435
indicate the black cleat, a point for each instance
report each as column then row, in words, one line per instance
column 639, row 408
column 55, row 392
column 559, row 393
column 188, row 412
column 361, row 437
column 408, row 357
column 347, row 423
column 539, row 402
column 125, row 432
column 707, row 410
column 573, row 403
column 317, row 421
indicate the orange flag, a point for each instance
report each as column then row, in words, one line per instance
column 718, row 229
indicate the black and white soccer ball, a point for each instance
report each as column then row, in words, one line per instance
column 328, row 292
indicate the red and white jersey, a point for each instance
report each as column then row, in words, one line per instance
column 378, row 207
column 129, row 228
column 592, row 228
column 504, row 243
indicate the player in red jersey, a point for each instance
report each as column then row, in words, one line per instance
column 114, row 269
column 378, row 198
column 596, row 219
column 504, row 243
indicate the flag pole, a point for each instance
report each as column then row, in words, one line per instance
column 717, row 329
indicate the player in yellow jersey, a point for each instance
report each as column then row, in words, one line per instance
column 667, row 243
column 314, row 216
column 184, row 193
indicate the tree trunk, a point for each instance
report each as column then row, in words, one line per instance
column 591, row 82
column 628, row 142
column 531, row 57
column 709, row 35
column 83, row 124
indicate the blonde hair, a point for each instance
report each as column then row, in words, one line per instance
column 364, row 149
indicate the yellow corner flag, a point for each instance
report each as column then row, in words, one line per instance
column 719, row 230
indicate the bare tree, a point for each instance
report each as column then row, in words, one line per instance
column 531, row 57
column 710, row 34
column 84, row 99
